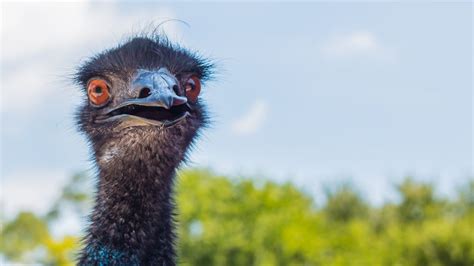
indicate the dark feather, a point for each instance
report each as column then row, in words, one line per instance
column 132, row 221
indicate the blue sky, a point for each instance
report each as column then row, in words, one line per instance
column 313, row 93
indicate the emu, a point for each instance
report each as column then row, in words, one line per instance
column 141, row 113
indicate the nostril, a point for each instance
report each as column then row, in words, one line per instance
column 145, row 92
column 176, row 89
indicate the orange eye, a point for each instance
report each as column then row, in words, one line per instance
column 193, row 88
column 98, row 91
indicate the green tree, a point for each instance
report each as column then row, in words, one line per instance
column 418, row 201
column 240, row 221
column 235, row 222
column 22, row 235
column 344, row 204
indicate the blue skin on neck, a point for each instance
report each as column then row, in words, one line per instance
column 103, row 256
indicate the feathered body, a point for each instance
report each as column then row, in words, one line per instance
column 132, row 220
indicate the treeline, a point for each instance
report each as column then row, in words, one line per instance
column 228, row 221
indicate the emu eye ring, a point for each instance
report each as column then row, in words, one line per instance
column 98, row 92
column 192, row 88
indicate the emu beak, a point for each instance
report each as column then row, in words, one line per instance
column 156, row 101
column 159, row 87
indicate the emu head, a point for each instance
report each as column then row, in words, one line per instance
column 142, row 97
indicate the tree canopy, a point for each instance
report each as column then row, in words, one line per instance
column 239, row 221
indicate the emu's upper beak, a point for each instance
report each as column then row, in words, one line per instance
column 156, row 102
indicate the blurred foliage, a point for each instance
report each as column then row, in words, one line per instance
column 344, row 204
column 76, row 195
column 24, row 233
column 231, row 221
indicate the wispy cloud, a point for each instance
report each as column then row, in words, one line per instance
column 37, row 57
column 36, row 191
column 251, row 121
column 31, row 190
column 352, row 44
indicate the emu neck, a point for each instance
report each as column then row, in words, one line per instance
column 132, row 221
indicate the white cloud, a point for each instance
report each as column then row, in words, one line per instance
column 353, row 43
column 36, row 191
column 251, row 121
column 31, row 190
column 43, row 42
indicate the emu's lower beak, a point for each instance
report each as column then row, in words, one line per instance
column 156, row 101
